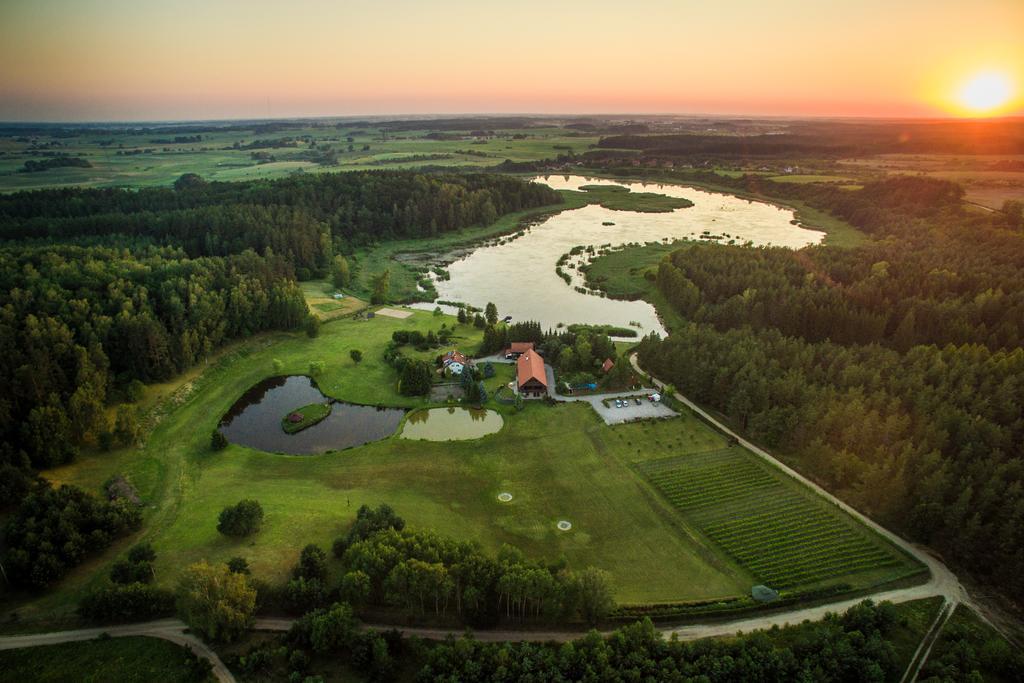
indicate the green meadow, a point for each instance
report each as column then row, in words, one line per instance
column 136, row 160
column 559, row 462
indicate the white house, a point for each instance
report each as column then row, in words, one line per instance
column 455, row 362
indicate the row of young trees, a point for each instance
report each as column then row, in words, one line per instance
column 850, row 647
column 893, row 372
column 428, row 573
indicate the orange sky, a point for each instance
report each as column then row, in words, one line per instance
column 143, row 59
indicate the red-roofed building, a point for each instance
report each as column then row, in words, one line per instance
column 531, row 378
column 517, row 349
column 607, row 366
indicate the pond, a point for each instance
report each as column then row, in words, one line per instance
column 255, row 419
column 519, row 275
column 451, row 424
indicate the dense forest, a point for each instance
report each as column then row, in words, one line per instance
column 893, row 372
column 82, row 323
column 306, row 218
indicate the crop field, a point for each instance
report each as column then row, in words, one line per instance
column 142, row 159
column 773, row 529
column 987, row 179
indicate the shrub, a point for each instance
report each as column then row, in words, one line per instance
column 312, row 326
column 218, row 441
column 125, row 603
column 356, row 355
column 241, row 519
column 238, row 565
column 127, row 572
column 312, row 563
column 368, row 522
column 302, row 594
column 334, row 629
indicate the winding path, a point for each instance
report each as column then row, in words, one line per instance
column 166, row 629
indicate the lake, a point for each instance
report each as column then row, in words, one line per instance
column 519, row 275
column 255, row 419
column 451, row 424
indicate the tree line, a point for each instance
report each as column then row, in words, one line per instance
column 893, row 372
column 307, row 218
column 853, row 646
column 427, row 573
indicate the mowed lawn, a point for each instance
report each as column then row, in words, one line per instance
column 554, row 461
column 559, row 462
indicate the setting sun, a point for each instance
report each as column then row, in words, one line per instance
column 985, row 93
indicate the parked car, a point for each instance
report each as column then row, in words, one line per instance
column 637, row 399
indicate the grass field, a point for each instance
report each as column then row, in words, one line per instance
column 134, row 160
column 618, row 198
column 986, row 178
column 621, row 273
column 322, row 304
column 559, row 462
column 125, row 660
column 777, row 530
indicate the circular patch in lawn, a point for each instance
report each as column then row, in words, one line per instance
column 505, row 497
column 564, row 525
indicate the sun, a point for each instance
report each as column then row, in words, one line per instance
column 985, row 93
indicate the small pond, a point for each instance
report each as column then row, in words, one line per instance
column 451, row 424
column 255, row 419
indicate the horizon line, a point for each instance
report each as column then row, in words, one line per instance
column 479, row 115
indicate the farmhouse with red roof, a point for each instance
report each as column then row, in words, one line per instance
column 531, row 379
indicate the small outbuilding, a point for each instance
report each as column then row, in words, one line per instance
column 607, row 365
column 517, row 349
column 764, row 594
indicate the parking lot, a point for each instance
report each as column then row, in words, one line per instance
column 628, row 413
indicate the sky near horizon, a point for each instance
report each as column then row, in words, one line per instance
column 121, row 60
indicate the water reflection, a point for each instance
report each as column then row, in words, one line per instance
column 519, row 276
column 451, row 424
column 255, row 419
